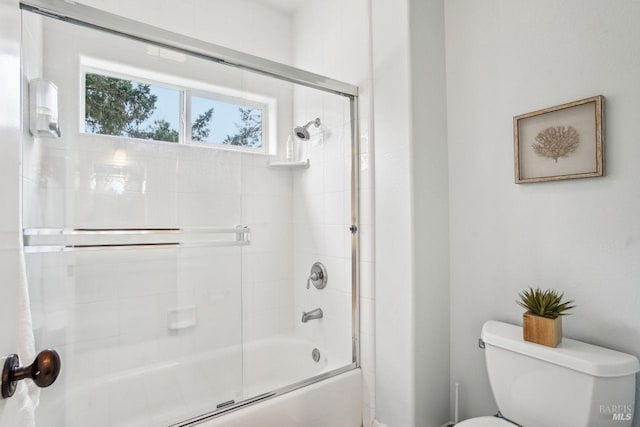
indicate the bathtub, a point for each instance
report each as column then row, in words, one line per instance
column 276, row 371
column 277, row 361
column 333, row 402
column 155, row 392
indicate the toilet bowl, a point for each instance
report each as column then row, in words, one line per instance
column 573, row 385
column 485, row 422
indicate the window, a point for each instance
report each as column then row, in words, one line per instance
column 237, row 125
column 131, row 109
column 119, row 105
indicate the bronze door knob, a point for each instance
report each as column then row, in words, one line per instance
column 43, row 371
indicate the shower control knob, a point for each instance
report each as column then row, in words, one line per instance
column 318, row 276
column 43, row 371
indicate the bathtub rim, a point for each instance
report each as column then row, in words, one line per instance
column 265, row 396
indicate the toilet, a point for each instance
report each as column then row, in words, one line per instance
column 573, row 385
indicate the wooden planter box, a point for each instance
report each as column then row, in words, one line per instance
column 542, row 330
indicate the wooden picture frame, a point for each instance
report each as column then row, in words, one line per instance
column 561, row 142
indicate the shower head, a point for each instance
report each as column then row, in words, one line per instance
column 302, row 132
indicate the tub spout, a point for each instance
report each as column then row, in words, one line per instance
column 310, row 315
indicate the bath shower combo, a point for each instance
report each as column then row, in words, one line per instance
column 184, row 264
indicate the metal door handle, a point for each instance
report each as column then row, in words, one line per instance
column 43, row 371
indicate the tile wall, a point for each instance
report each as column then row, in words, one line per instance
column 332, row 38
column 322, row 208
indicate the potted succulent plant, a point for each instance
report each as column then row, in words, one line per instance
column 543, row 320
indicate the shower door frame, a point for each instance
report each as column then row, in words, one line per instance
column 104, row 21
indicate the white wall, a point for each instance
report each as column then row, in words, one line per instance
column 321, row 211
column 411, row 202
column 431, row 211
column 395, row 347
column 582, row 237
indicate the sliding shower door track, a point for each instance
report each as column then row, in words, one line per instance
column 266, row 396
column 90, row 17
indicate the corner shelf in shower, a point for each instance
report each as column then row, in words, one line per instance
column 302, row 164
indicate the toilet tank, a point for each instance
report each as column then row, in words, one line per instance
column 573, row 385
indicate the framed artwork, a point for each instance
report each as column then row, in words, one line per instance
column 561, row 142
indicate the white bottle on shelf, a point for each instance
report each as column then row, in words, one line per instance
column 290, row 154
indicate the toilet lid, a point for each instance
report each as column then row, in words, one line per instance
column 485, row 422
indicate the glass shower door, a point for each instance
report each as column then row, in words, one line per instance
column 172, row 228
column 133, row 242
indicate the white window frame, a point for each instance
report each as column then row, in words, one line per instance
column 188, row 88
